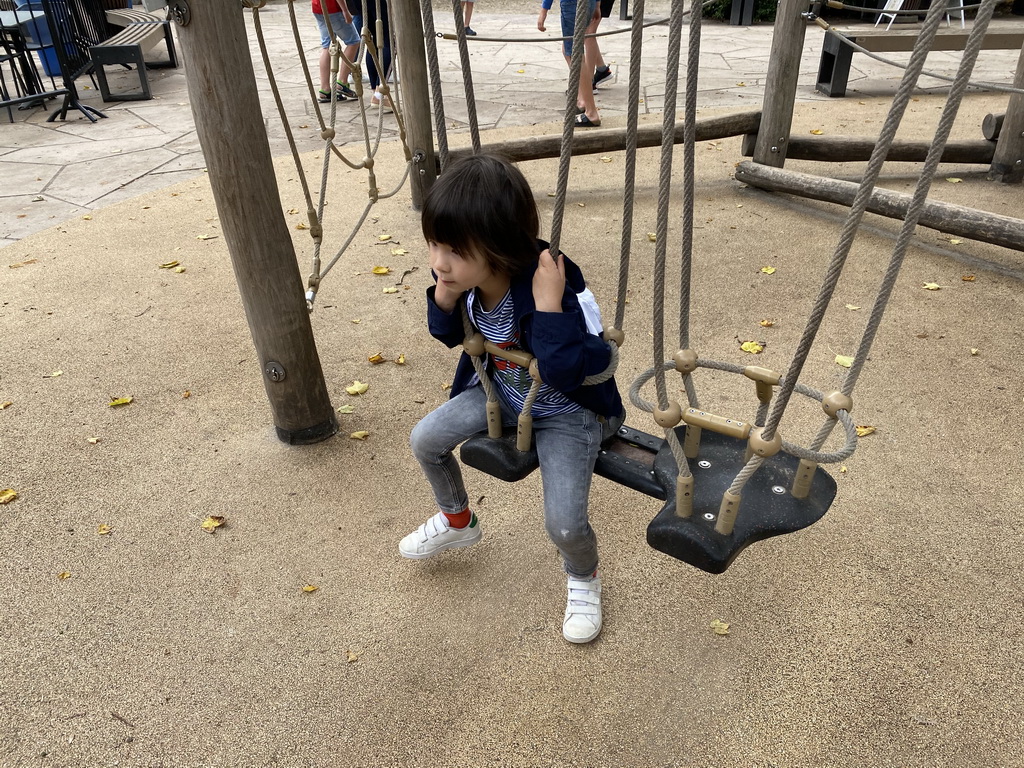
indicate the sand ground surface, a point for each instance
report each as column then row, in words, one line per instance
column 885, row 635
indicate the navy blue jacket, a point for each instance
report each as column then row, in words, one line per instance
column 566, row 352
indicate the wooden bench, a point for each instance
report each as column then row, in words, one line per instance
column 139, row 32
column 836, row 56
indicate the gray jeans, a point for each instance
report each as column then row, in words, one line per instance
column 567, row 447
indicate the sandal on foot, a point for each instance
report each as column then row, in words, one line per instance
column 582, row 121
column 324, row 97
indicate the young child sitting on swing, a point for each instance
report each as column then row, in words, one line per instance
column 481, row 226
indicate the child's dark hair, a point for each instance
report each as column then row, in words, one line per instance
column 482, row 205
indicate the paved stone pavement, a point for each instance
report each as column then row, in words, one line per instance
column 54, row 171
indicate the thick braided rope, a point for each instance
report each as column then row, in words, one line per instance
column 931, row 163
column 435, row 81
column 629, row 183
column 664, row 192
column 467, row 76
column 478, row 360
column 856, row 214
column 569, row 122
column 689, row 146
column 1000, row 87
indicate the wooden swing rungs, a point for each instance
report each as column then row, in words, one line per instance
column 592, row 142
column 944, row 217
column 851, row 149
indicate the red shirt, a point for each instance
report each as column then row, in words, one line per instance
column 332, row 7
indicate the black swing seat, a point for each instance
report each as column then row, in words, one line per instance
column 767, row 509
column 645, row 463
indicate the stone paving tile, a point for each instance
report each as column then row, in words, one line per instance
column 83, row 183
column 21, row 216
column 26, row 178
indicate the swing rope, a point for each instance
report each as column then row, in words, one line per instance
column 467, row 77
column 434, row 70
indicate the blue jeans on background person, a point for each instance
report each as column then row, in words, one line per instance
column 568, row 15
column 567, row 447
column 347, row 32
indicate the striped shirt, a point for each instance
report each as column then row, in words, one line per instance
column 498, row 327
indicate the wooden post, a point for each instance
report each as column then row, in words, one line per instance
column 780, row 85
column 412, row 64
column 1008, row 161
column 231, row 131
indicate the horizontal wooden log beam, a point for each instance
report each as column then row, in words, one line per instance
column 595, row 141
column 851, row 149
column 944, row 217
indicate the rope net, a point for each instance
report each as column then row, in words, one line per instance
column 371, row 121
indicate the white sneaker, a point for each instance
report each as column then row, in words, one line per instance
column 436, row 535
column 582, row 621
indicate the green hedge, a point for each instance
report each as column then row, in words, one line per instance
column 722, row 10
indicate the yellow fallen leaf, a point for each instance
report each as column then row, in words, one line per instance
column 357, row 388
column 381, row 270
column 309, row 588
column 351, row 657
column 400, row 360
column 953, row 180
column 606, row 159
column 169, row 264
column 92, row 440
column 391, row 289
column 719, row 627
column 852, row 306
column 87, row 217
column 104, row 529
column 968, row 278
column 24, row 263
column 212, row 523
column 767, row 323
column 179, row 270
column 120, row 401
column 752, row 347
column 844, row 361
column 7, row 495
column 6, row 404
column 817, row 132
column 863, row 430
column 302, row 225
column 205, row 237
column 520, row 71
column 741, row 84
column 360, row 435
column 955, row 241
column 383, row 238
column 355, row 322
column 768, row 270
column 398, row 251
column 64, row 575
column 932, row 287
column 376, row 359
column 551, row 194
column 53, row 375
column 346, row 409
column 974, row 351
column 186, row 394
column 652, row 237
column 843, row 469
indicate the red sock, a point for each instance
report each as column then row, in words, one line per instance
column 459, row 519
